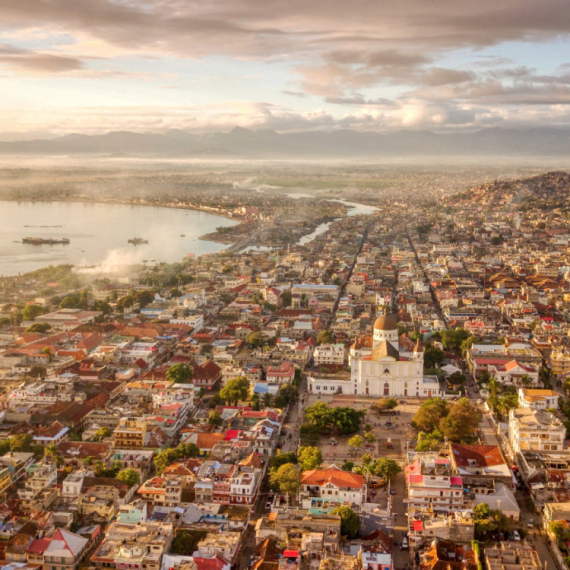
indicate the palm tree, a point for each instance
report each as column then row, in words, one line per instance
column 53, row 452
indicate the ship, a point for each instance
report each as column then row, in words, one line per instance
column 138, row 241
column 45, row 241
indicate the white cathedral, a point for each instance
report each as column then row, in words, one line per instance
column 380, row 369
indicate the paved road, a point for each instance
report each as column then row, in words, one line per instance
column 399, row 508
column 488, row 432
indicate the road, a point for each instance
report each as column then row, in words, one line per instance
column 399, row 509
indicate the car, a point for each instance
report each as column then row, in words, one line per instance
column 405, row 544
column 530, row 523
column 501, row 537
column 392, row 491
column 268, row 505
column 516, row 535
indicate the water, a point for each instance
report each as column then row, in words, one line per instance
column 355, row 210
column 99, row 234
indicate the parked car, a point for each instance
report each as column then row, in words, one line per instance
column 268, row 505
column 530, row 523
column 405, row 544
column 392, row 491
column 501, row 537
column 516, row 535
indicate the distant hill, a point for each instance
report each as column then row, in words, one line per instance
column 551, row 188
column 244, row 143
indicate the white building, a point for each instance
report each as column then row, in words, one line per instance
column 329, row 354
column 535, row 430
column 383, row 372
column 334, row 484
column 538, row 399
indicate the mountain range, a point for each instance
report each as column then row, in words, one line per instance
column 267, row 144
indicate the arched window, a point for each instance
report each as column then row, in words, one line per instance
column 386, row 389
column 386, row 371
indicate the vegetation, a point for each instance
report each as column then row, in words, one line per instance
column 323, row 419
column 168, row 456
column 429, row 441
column 186, row 542
column 488, row 521
column 282, row 459
column 461, row 422
column 325, row 337
column 102, row 433
column 384, row 405
column 236, row 390
column 385, row 468
column 215, row 418
column 349, row 521
column 39, row 328
column 356, row 442
column 287, row 395
column 310, row 458
column 129, row 476
column 285, row 479
column 180, row 373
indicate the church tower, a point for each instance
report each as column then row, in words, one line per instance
column 386, row 329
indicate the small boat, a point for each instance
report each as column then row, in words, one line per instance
column 137, row 241
column 182, row 235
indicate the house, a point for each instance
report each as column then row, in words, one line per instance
column 207, row 375
column 538, row 399
column 447, row 554
column 65, row 551
column 334, row 484
column 130, row 433
column 535, row 430
column 283, row 374
column 514, row 374
column 480, row 464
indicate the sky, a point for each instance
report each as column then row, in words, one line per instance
column 94, row 66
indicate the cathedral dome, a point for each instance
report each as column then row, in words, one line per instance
column 386, row 323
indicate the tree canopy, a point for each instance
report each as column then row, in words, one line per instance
column 129, row 476
column 430, row 413
column 384, row 404
column 282, row 459
column 236, row 389
column 214, row 418
column 325, row 337
column 310, row 458
column 345, row 420
column 288, row 394
column 461, row 421
column 285, row 479
column 385, row 467
column 349, row 521
column 488, row 520
column 180, row 373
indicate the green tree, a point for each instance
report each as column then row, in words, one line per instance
column 366, row 459
column 324, row 419
column 325, row 337
column 21, row 442
column 462, row 421
column 36, row 371
column 429, row 441
column 267, row 400
column 453, row 338
column 256, row 403
column 30, row 312
column 430, row 414
column 433, row 356
column 385, row 468
column 129, row 476
column 53, row 452
column 356, row 442
column 285, row 479
column 186, row 450
column 369, row 437
column 282, row 459
column 526, row 381
column 255, row 339
column 456, row 379
column 384, row 405
column 349, row 521
column 237, row 389
column 288, row 394
column 488, row 520
column 180, row 373
column 215, row 418
column 310, row 458
column 164, row 459
column 348, row 465
column 39, row 328
column 102, row 433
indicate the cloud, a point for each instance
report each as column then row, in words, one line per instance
column 439, row 76
column 27, row 60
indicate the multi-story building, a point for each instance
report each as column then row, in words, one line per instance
column 535, row 430
column 244, row 485
column 329, row 354
column 432, row 485
column 559, row 361
column 130, row 433
column 44, row 475
column 162, row 491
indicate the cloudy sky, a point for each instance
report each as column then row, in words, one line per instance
column 92, row 66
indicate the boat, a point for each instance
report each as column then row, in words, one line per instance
column 45, row 241
column 182, row 235
column 138, row 241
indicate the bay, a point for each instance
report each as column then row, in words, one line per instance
column 99, row 234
